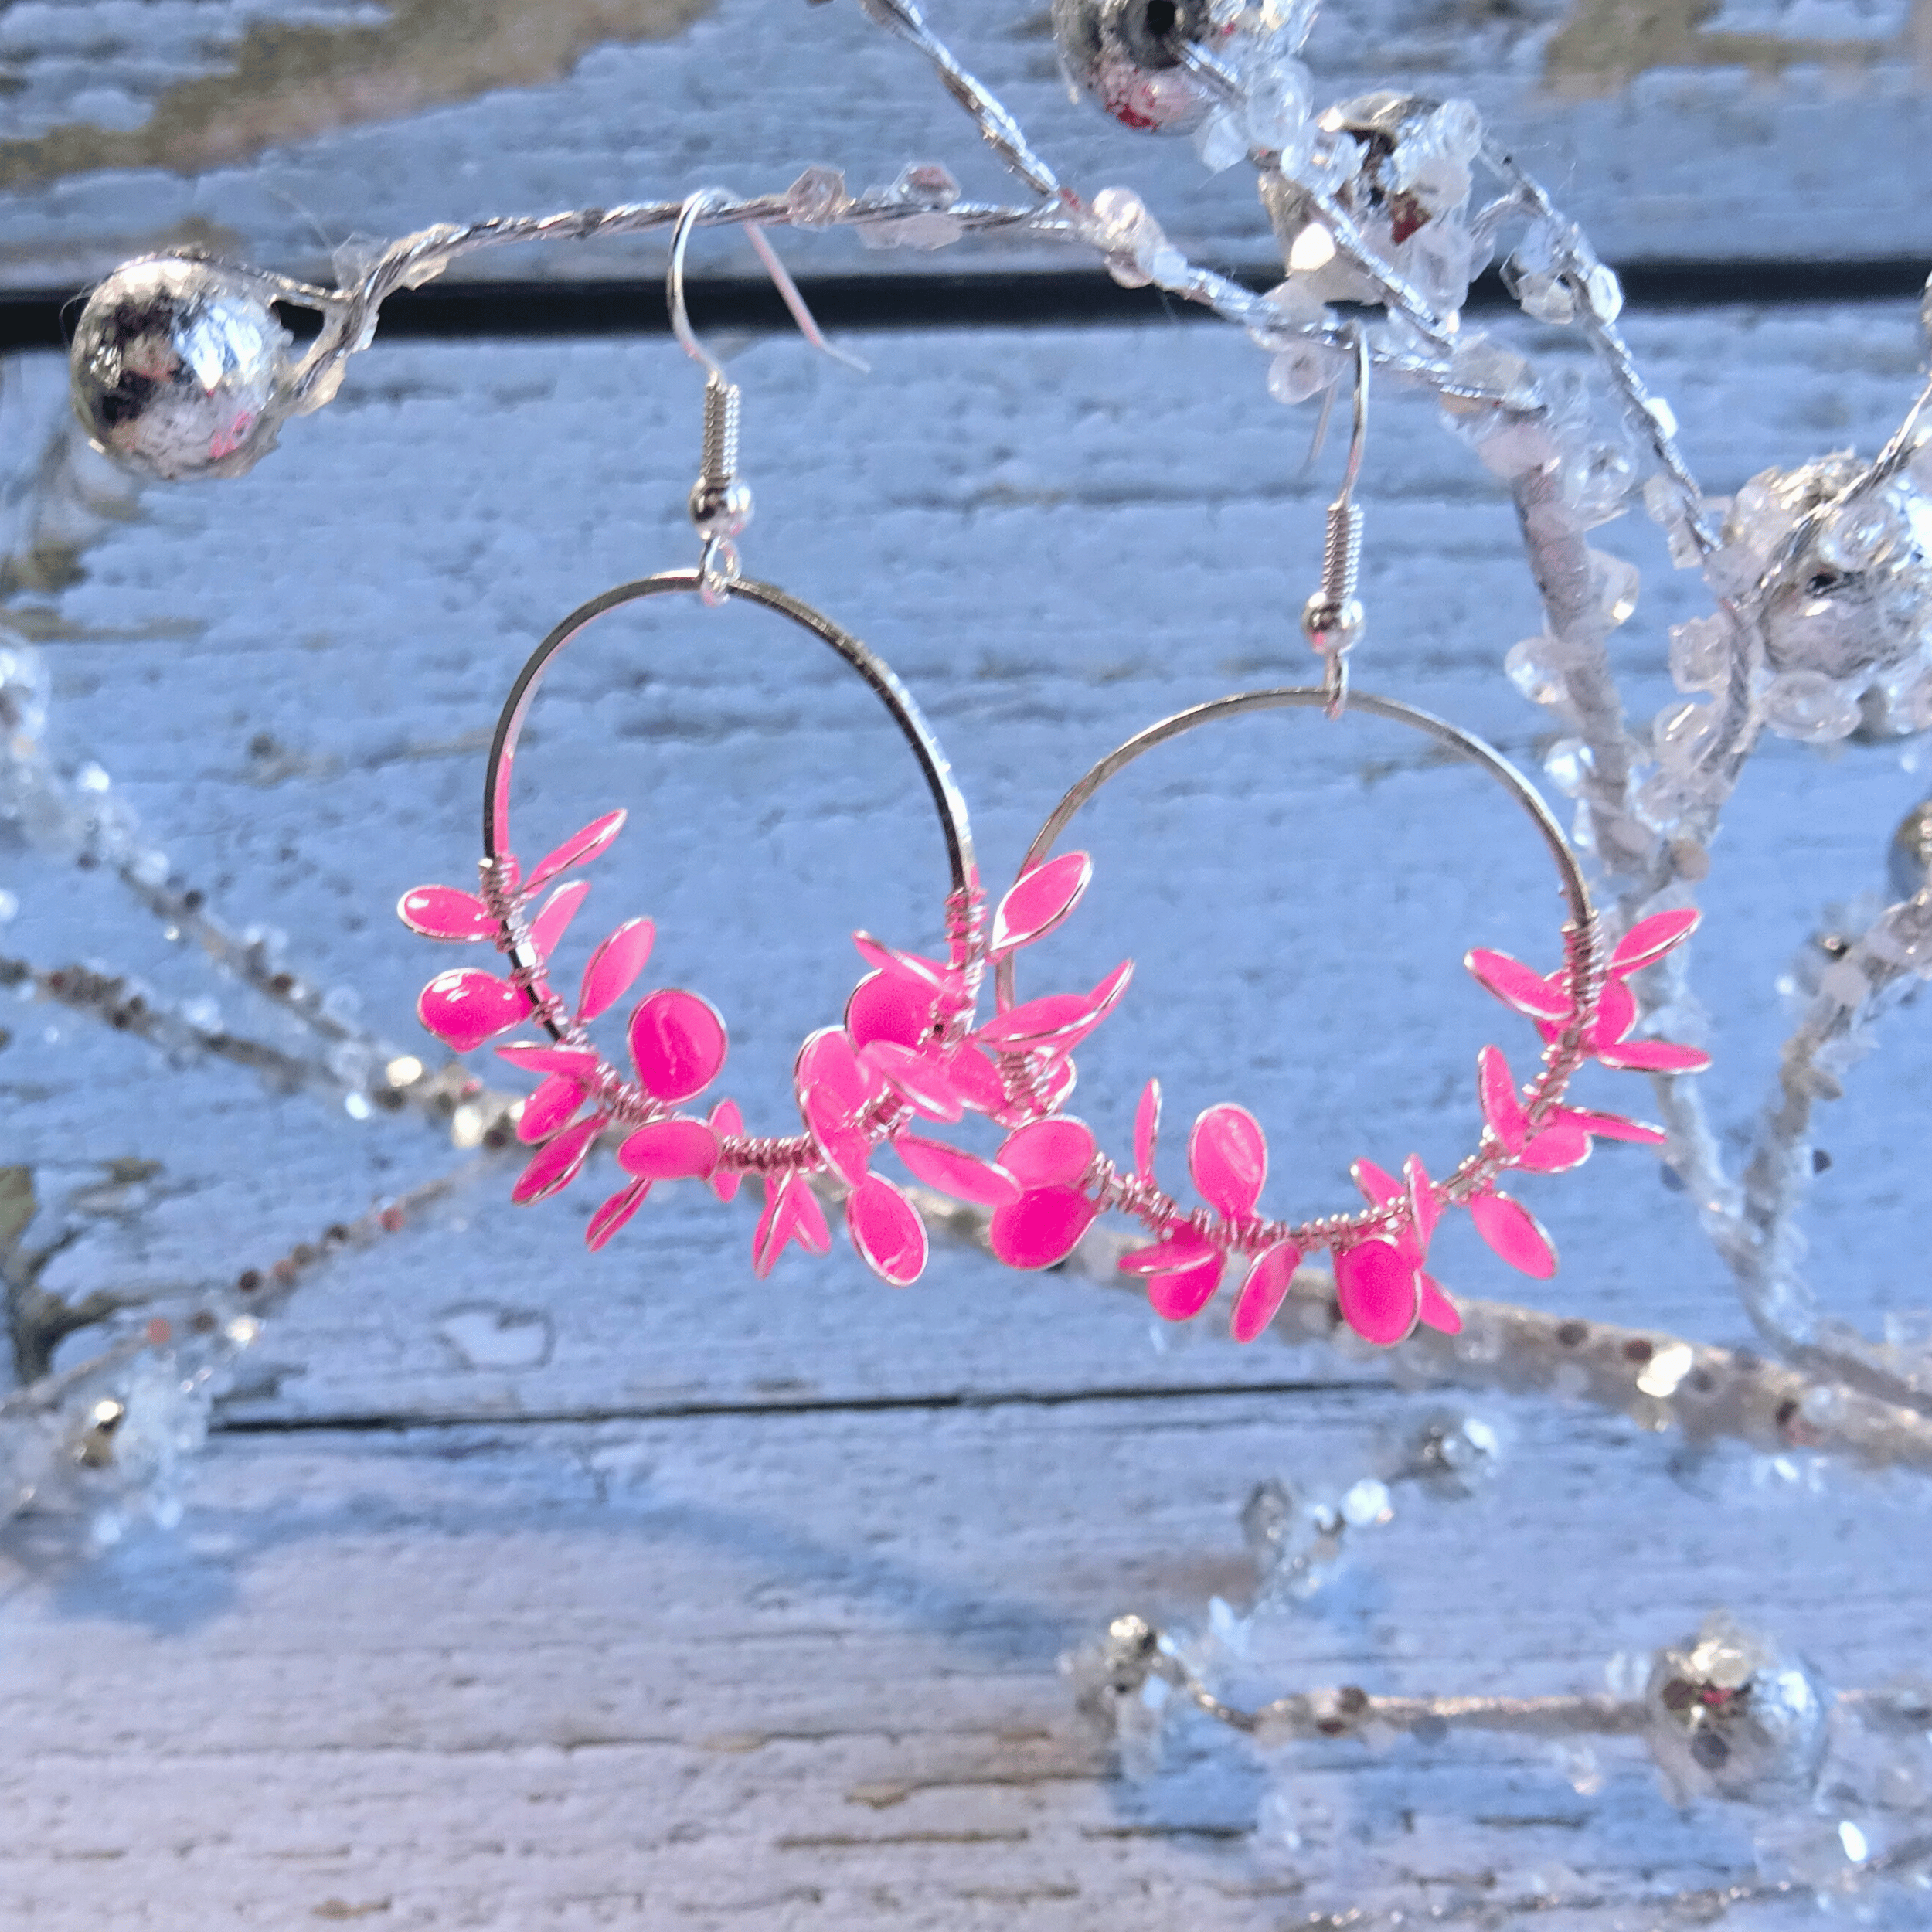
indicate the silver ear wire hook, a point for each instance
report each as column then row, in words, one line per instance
column 1333, row 617
column 720, row 504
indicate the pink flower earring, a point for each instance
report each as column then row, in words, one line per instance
column 908, row 1051
column 1584, row 1011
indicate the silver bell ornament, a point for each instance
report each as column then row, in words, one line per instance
column 1726, row 1713
column 1127, row 54
column 180, row 368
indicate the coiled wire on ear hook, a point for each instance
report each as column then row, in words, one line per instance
column 720, row 504
column 1333, row 617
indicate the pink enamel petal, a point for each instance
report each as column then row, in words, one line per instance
column 579, row 849
column 976, row 1081
column 1516, row 986
column 1425, row 1205
column 1379, row 1186
column 807, row 1219
column 441, row 912
column 1264, row 1291
column 670, row 1150
column 1376, row 1287
column 1147, row 1130
column 1057, row 1021
column 1055, row 1153
column 1655, row 1056
column 1438, row 1312
column 549, row 1108
column 1181, row 1296
column 920, row 1077
column 1559, row 1146
column 1183, row 1246
column 828, row 1120
column 910, row 967
column 953, row 1171
column 1040, row 901
column 768, row 1239
column 465, row 1007
column 1044, row 1225
column 1650, row 939
column 827, row 1061
column 728, row 1123
column 677, row 1042
column 548, row 928
column 614, row 1213
column 1616, row 1014
column 1613, row 1127
column 1227, row 1155
column 1515, row 1233
column 558, row 1162
column 885, row 1007
column 579, row 1062
column 886, row 1230
column 1496, row 1089
column 614, row 967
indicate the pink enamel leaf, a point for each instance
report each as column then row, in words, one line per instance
column 1376, row 1287
column 1616, row 1014
column 677, row 1042
column 829, row 1119
column 1043, row 1226
column 1183, row 1246
column 1654, row 1056
column 441, row 912
column 1227, row 1155
column 1516, row 986
column 1558, row 1146
column 1650, row 939
column 1425, row 1206
column 1614, row 1126
column 886, row 1230
column 579, row 1062
column 558, row 1162
column 549, row 1108
column 768, row 1239
column 614, row 1214
column 548, row 928
column 465, row 1007
column 918, row 1076
column 910, row 967
column 953, row 1171
column 1042, row 898
column 1264, row 1291
column 1379, row 1186
column 1438, row 1312
column 1147, row 1130
column 1182, row 1294
column 976, row 1081
column 579, row 849
column 613, row 967
column 1496, row 1089
column 885, row 1007
column 1515, row 1233
column 1055, row 1153
column 728, row 1123
column 670, row 1150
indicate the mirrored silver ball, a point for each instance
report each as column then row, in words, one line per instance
column 720, row 509
column 180, row 368
column 1127, row 55
column 1726, row 1712
column 1331, row 626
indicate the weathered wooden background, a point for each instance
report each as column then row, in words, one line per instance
column 524, row 1590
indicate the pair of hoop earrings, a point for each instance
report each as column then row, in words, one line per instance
column 913, row 1049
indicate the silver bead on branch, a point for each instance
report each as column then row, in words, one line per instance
column 720, row 505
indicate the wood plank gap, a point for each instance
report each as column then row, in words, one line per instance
column 508, row 311
column 344, row 1424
